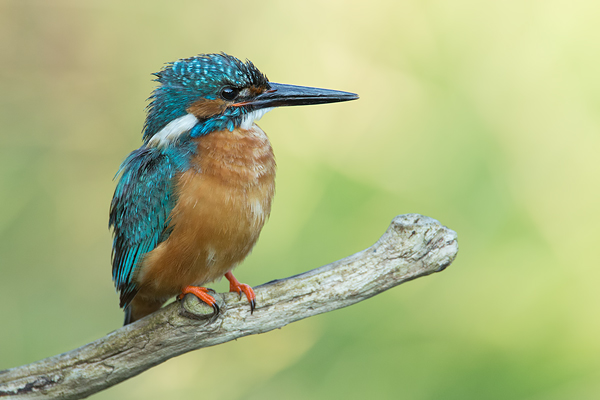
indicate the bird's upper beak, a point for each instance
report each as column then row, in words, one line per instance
column 290, row 95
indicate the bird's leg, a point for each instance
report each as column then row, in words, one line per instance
column 202, row 294
column 236, row 286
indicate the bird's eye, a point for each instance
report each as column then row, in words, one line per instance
column 229, row 93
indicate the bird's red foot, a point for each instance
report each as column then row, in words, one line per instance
column 202, row 294
column 239, row 288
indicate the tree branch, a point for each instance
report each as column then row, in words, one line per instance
column 413, row 246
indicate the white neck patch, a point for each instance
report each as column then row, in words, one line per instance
column 172, row 131
column 249, row 118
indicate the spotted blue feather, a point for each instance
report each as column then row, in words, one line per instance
column 140, row 209
column 185, row 81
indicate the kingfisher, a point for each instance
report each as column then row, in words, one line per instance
column 191, row 202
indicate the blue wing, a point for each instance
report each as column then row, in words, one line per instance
column 140, row 209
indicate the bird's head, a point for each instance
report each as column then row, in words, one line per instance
column 213, row 92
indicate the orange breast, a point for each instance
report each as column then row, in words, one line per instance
column 224, row 201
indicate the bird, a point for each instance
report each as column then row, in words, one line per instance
column 190, row 203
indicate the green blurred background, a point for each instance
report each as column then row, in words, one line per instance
column 483, row 115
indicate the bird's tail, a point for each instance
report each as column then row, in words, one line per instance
column 140, row 307
column 128, row 319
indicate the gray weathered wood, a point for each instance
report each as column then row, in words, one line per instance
column 413, row 246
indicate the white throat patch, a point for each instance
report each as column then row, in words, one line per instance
column 249, row 118
column 173, row 130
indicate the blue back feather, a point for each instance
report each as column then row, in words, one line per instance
column 140, row 209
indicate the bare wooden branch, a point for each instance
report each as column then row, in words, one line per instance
column 413, row 246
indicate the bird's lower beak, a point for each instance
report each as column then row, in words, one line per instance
column 281, row 95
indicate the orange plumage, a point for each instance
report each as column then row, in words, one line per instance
column 223, row 203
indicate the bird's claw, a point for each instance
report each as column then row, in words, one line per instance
column 252, row 306
column 202, row 294
column 236, row 286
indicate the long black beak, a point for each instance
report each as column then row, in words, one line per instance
column 281, row 95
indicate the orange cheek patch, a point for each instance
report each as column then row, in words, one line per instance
column 204, row 108
column 255, row 91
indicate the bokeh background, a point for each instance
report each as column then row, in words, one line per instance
column 483, row 115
